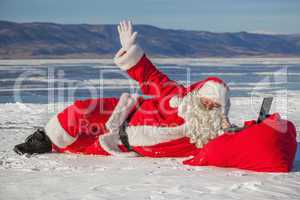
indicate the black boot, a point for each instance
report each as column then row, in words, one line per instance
column 38, row 142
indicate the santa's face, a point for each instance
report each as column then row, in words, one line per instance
column 209, row 104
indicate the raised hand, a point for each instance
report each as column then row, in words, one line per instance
column 126, row 34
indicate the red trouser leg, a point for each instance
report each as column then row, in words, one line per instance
column 84, row 121
column 84, row 144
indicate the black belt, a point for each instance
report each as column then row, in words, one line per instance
column 122, row 131
column 124, row 137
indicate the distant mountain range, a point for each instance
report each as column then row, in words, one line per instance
column 50, row 40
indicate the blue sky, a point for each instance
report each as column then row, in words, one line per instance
column 269, row 16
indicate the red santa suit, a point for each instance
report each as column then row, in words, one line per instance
column 155, row 127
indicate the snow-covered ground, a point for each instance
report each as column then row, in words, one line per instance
column 66, row 176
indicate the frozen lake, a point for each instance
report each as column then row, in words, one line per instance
column 80, row 79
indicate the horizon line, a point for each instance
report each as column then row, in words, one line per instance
column 262, row 32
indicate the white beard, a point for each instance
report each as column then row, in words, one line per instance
column 201, row 125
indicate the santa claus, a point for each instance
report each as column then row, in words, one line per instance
column 175, row 122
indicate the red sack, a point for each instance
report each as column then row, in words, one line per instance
column 266, row 147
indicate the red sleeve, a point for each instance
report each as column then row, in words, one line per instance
column 151, row 80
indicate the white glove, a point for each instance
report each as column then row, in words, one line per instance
column 127, row 37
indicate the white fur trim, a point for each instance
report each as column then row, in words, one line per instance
column 57, row 134
column 151, row 135
column 110, row 141
column 127, row 59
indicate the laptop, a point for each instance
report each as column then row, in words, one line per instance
column 263, row 114
column 265, row 109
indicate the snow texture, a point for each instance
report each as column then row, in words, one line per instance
column 70, row 176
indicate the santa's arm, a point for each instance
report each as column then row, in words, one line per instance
column 132, row 59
